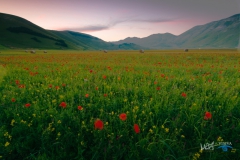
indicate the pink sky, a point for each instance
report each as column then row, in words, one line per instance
column 113, row 20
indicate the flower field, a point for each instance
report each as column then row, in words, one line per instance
column 119, row 105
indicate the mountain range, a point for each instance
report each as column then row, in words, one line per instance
column 224, row 33
column 16, row 32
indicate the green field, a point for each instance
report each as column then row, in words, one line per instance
column 67, row 105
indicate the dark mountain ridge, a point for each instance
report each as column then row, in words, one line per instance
column 224, row 33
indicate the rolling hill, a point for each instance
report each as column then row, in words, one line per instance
column 90, row 42
column 16, row 32
column 224, row 33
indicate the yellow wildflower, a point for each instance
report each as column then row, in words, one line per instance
column 61, row 96
column 197, row 155
column 136, row 107
column 12, row 122
column 219, row 139
column 7, row 144
column 6, row 134
column 150, row 130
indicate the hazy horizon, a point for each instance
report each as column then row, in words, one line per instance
column 116, row 20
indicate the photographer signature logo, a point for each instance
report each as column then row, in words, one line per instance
column 220, row 145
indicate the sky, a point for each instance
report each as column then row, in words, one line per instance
column 113, row 20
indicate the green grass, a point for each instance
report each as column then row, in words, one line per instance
column 2, row 73
column 147, row 87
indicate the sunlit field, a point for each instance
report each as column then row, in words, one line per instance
column 120, row 105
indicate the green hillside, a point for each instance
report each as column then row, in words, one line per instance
column 2, row 47
column 16, row 32
column 224, row 33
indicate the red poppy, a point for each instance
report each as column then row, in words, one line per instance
column 64, row 85
column 136, row 128
column 21, row 86
column 63, row 105
column 27, row 105
column 184, row 94
column 91, row 71
column 98, row 124
column 57, row 87
column 50, row 86
column 87, row 95
column 105, row 95
column 207, row 116
column 13, row 100
column 109, row 68
column 123, row 116
column 96, row 88
column 158, row 88
column 104, row 76
column 17, row 82
column 80, row 108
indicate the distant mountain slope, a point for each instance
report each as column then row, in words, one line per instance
column 16, row 32
column 89, row 42
column 224, row 33
column 152, row 41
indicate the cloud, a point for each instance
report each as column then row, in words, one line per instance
column 158, row 20
column 136, row 19
column 112, row 23
column 90, row 28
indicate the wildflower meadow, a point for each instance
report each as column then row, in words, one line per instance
column 166, row 105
